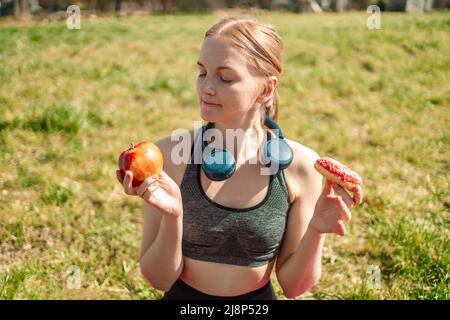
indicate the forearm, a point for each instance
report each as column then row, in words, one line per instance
column 162, row 262
column 302, row 269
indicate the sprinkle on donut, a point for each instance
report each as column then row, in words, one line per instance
column 338, row 169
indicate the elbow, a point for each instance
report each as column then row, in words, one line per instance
column 162, row 281
column 151, row 281
column 292, row 292
column 157, row 282
column 297, row 293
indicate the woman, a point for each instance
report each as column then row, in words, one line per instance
column 206, row 239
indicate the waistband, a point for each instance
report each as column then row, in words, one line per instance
column 263, row 293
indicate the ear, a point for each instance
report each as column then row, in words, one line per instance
column 269, row 86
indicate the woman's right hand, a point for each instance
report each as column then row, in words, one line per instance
column 159, row 191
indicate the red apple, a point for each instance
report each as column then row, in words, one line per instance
column 144, row 160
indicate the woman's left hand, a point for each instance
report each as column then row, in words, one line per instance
column 332, row 211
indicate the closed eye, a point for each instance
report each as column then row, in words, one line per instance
column 223, row 80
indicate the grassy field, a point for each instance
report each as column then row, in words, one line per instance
column 71, row 100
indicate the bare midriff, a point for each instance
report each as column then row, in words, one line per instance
column 224, row 279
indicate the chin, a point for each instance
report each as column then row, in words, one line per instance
column 209, row 116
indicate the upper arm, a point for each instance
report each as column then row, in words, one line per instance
column 308, row 190
column 152, row 218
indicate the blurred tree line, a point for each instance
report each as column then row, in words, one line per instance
column 26, row 7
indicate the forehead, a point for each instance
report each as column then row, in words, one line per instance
column 216, row 52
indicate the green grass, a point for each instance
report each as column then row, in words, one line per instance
column 71, row 100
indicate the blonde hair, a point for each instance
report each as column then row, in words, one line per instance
column 260, row 43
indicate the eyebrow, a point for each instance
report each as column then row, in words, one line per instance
column 219, row 68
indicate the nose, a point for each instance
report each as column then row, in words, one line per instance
column 206, row 87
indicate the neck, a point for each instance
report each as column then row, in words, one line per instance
column 251, row 122
column 246, row 135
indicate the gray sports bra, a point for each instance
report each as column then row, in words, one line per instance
column 217, row 233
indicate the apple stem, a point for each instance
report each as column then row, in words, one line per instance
column 132, row 145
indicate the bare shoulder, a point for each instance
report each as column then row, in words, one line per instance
column 301, row 170
column 176, row 149
column 303, row 156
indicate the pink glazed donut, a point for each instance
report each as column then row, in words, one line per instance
column 335, row 171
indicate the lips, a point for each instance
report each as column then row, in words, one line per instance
column 210, row 104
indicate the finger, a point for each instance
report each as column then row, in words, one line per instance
column 127, row 183
column 341, row 228
column 344, row 212
column 144, row 185
column 345, row 196
column 148, row 195
column 165, row 180
column 164, row 176
column 357, row 195
column 119, row 176
column 328, row 188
